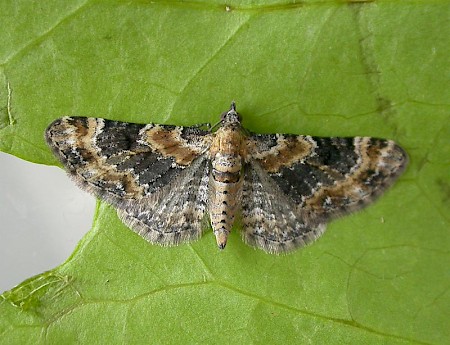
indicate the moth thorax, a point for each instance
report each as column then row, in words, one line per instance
column 228, row 140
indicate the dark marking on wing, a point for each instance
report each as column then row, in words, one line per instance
column 270, row 220
column 118, row 160
column 176, row 215
column 336, row 176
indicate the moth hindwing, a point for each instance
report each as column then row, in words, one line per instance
column 167, row 181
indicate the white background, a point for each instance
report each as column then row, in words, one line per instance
column 43, row 215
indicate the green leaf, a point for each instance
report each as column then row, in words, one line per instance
column 322, row 68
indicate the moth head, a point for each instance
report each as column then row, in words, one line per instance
column 231, row 116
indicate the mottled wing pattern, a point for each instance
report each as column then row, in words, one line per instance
column 322, row 178
column 133, row 164
column 117, row 161
column 270, row 219
column 179, row 213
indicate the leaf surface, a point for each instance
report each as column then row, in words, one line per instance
column 331, row 69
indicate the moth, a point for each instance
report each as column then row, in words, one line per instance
column 168, row 183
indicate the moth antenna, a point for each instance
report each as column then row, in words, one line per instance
column 215, row 125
